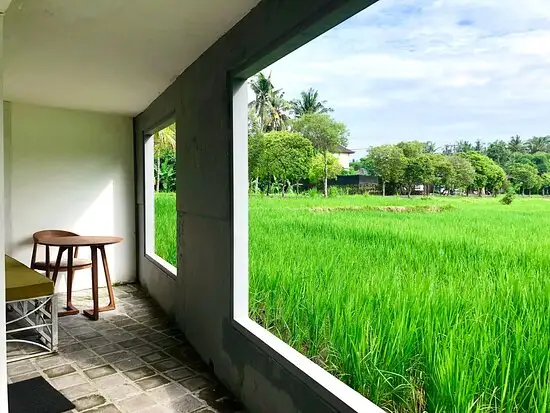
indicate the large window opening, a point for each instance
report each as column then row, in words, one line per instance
column 398, row 214
column 161, row 216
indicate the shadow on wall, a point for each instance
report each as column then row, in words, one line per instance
column 71, row 170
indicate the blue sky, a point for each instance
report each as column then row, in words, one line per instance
column 437, row 70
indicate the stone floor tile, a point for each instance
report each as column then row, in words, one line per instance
column 49, row 361
column 137, row 403
column 155, row 357
column 76, row 392
column 97, row 342
column 152, row 382
column 143, row 350
column 128, row 364
column 113, row 380
column 59, row 371
column 171, row 391
column 165, row 365
column 106, row 349
column 89, row 402
column 196, row 383
column 80, row 355
column 134, row 342
column 68, row 380
column 180, row 374
column 139, row 373
column 20, row 367
column 98, row 372
column 109, row 408
column 118, row 356
column 23, row 377
column 121, row 392
column 185, row 404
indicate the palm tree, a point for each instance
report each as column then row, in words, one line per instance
column 538, row 144
column 269, row 106
column 516, row 144
column 309, row 103
column 262, row 88
column 278, row 112
column 164, row 140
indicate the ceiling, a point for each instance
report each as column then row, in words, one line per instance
column 113, row 56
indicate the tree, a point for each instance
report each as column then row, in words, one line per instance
column 545, row 181
column 498, row 151
column 488, row 175
column 464, row 173
column 479, row 146
column 524, row 176
column 444, row 171
column 364, row 164
column 324, row 133
column 262, row 88
column 286, row 157
column 463, row 146
column 516, row 144
column 541, row 161
column 538, row 144
column 430, row 147
column 256, row 144
column 269, row 106
column 309, row 103
column 418, row 170
column 389, row 163
column 164, row 141
column 317, row 169
column 412, row 149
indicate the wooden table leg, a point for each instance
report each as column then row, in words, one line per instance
column 94, row 314
column 70, row 309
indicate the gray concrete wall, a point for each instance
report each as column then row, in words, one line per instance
column 201, row 297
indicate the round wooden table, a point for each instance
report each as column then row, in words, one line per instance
column 95, row 243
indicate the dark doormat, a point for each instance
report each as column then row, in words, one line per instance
column 37, row 396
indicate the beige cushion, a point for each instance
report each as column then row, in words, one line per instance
column 77, row 262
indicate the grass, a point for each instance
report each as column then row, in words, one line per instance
column 165, row 227
column 438, row 305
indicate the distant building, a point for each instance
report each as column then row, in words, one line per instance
column 343, row 153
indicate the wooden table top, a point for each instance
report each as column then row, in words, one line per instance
column 80, row 241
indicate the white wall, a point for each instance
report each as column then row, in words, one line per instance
column 344, row 159
column 70, row 170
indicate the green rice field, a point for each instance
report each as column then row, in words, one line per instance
column 437, row 305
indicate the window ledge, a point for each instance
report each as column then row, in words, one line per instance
column 321, row 381
column 163, row 265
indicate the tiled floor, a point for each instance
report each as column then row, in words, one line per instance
column 130, row 360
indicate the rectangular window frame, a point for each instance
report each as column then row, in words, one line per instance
column 321, row 381
column 149, row 203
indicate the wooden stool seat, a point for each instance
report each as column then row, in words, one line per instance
column 78, row 264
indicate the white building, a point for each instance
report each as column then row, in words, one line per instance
column 343, row 155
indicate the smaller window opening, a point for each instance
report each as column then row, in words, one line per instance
column 160, row 198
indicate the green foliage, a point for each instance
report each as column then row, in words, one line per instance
column 286, row 156
column 525, row 176
column 269, row 108
column 317, row 169
column 487, row 173
column 498, row 151
column 412, row 149
column 464, row 173
column 516, row 144
column 418, row 170
column 309, row 103
column 389, row 163
column 165, row 227
column 509, row 196
column 325, row 133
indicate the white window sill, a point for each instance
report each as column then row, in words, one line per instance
column 321, row 381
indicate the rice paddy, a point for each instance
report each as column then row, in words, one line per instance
column 437, row 305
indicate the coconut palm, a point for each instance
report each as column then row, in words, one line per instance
column 516, row 144
column 262, row 88
column 278, row 112
column 309, row 103
column 164, row 141
column 538, row 144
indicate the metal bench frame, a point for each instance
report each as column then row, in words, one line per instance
column 40, row 313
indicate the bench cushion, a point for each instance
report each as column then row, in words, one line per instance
column 23, row 283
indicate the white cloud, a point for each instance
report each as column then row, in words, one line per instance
column 444, row 68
